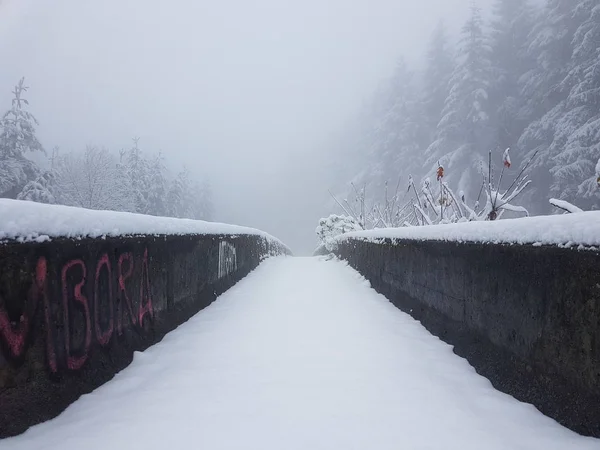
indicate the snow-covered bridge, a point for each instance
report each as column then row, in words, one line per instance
column 300, row 354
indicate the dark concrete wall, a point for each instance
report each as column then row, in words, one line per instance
column 72, row 312
column 527, row 318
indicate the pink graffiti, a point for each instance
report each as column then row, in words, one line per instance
column 123, row 291
column 103, row 336
column 76, row 362
column 15, row 335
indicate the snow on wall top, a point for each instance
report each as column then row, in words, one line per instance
column 580, row 229
column 25, row 221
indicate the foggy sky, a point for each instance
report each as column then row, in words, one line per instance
column 250, row 93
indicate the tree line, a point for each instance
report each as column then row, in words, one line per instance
column 95, row 178
column 528, row 80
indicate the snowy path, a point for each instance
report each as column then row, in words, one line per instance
column 301, row 354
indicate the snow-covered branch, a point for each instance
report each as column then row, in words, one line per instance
column 565, row 206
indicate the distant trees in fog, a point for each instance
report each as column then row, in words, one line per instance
column 94, row 178
column 528, row 79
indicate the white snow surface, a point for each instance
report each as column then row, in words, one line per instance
column 28, row 221
column 302, row 354
column 582, row 229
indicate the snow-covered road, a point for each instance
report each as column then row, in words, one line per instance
column 301, row 354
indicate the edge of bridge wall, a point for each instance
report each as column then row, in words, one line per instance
column 74, row 310
column 525, row 317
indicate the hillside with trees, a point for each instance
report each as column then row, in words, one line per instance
column 95, row 177
column 522, row 76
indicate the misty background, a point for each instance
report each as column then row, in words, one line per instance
column 277, row 115
column 253, row 95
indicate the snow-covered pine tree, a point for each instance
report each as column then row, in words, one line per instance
column 138, row 171
column 401, row 134
column 181, row 196
column 545, row 93
column 45, row 188
column 17, row 138
column 436, row 78
column 157, row 184
column 463, row 133
column 510, row 27
column 124, row 199
column 188, row 198
column 573, row 166
column 40, row 190
column 174, row 198
column 550, row 45
column 362, row 140
column 15, row 173
column 204, row 206
column 188, row 194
